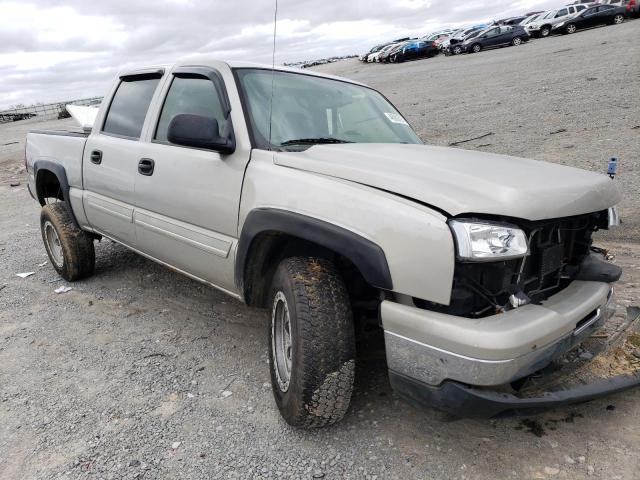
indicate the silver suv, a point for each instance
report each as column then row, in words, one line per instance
column 542, row 26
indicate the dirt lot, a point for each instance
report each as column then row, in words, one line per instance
column 123, row 377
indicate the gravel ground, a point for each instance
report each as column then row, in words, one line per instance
column 141, row 373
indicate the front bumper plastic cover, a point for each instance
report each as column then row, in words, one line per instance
column 469, row 402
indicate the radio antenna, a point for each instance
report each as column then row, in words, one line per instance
column 273, row 67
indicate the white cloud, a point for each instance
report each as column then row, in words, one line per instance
column 52, row 50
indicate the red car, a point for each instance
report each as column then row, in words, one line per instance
column 631, row 6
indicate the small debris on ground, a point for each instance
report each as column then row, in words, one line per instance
column 25, row 274
column 175, row 445
column 551, row 470
column 226, row 393
column 63, row 289
column 43, row 263
column 560, row 130
column 14, row 184
column 470, row 139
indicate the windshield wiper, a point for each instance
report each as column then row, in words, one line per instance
column 311, row 141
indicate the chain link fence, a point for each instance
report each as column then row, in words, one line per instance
column 44, row 111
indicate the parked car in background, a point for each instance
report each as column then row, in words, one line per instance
column 592, row 17
column 386, row 56
column 376, row 56
column 532, row 18
column 439, row 42
column 368, row 57
column 365, row 56
column 632, row 7
column 511, row 20
column 413, row 50
column 498, row 36
column 458, row 48
column 460, row 36
column 543, row 26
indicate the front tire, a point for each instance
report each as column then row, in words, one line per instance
column 516, row 41
column 545, row 31
column 476, row 48
column 571, row 28
column 618, row 19
column 311, row 342
column 456, row 50
column 69, row 248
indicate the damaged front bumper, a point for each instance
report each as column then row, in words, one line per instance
column 457, row 364
column 471, row 402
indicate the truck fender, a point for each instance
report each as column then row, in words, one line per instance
column 368, row 257
column 60, row 173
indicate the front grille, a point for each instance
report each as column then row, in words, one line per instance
column 557, row 247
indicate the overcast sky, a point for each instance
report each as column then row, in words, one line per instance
column 54, row 50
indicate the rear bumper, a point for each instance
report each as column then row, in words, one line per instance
column 432, row 348
column 469, row 402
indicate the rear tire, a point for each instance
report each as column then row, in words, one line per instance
column 311, row 342
column 516, row 41
column 618, row 19
column 571, row 28
column 69, row 248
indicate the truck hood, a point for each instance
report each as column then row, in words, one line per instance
column 460, row 181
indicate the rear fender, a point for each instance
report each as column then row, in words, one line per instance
column 39, row 167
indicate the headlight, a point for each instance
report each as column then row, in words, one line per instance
column 484, row 241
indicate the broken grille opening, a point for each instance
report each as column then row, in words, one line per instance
column 557, row 247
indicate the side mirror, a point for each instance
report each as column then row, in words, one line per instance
column 199, row 132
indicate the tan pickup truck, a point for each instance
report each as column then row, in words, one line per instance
column 312, row 197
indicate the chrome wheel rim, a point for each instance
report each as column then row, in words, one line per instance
column 517, row 41
column 571, row 28
column 281, row 341
column 53, row 244
column 457, row 50
column 617, row 19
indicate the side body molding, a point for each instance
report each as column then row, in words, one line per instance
column 59, row 171
column 368, row 257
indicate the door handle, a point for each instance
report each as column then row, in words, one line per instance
column 96, row 157
column 145, row 166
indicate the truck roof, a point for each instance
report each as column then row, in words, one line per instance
column 215, row 63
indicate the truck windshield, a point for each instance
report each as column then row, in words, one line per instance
column 310, row 110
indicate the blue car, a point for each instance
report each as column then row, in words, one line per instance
column 413, row 50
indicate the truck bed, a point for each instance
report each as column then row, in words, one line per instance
column 64, row 147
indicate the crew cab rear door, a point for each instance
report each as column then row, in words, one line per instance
column 110, row 161
column 187, row 201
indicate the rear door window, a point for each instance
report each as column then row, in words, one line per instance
column 129, row 107
column 561, row 13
